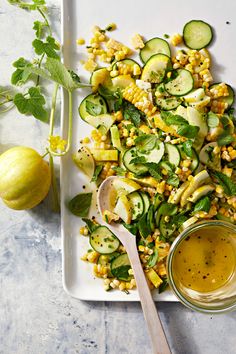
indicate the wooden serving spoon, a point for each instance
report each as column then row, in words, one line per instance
column 156, row 332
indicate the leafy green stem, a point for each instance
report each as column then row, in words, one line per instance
column 55, row 196
column 53, row 109
column 46, row 20
column 39, row 66
column 69, row 136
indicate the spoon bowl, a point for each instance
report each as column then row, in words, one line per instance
column 156, row 332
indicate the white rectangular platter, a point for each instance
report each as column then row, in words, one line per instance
column 150, row 18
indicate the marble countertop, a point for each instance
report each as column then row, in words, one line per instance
column 36, row 315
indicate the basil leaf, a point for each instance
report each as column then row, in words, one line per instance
column 173, row 180
column 97, row 172
column 225, row 139
column 91, row 226
column 80, row 204
column 153, row 258
column 93, row 108
column 212, row 120
column 203, row 204
column 187, row 147
column 145, row 142
column 179, row 219
column 167, row 209
column 189, row 131
column 226, row 182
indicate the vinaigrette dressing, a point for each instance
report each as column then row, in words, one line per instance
column 204, row 263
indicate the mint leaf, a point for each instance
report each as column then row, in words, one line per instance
column 22, row 72
column 179, row 219
column 32, row 103
column 138, row 160
column 145, row 142
column 173, row 180
column 130, row 112
column 80, row 204
column 153, row 258
column 97, row 172
column 188, row 131
column 119, row 171
column 49, row 47
column 154, row 170
column 226, row 182
column 173, row 119
column 225, row 139
column 187, row 147
column 91, row 226
column 93, row 108
column 203, row 204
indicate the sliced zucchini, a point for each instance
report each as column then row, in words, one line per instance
column 195, row 96
column 227, row 99
column 166, row 228
column 92, row 105
column 115, row 138
column 168, row 103
column 155, row 68
column 146, row 201
column 181, row 84
column 128, row 156
column 125, row 186
column 210, row 159
column 173, row 154
column 104, row 155
column 154, row 46
column 129, row 62
column 197, row 181
column 137, row 205
column 103, row 241
column 103, row 122
column 158, row 199
column 122, row 81
column 197, row 34
column 156, row 154
column 150, row 218
column 123, row 209
column 198, row 119
column 100, row 77
column 194, row 157
column 106, row 259
column 84, row 161
column 120, row 267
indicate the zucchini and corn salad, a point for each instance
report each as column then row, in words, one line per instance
column 167, row 131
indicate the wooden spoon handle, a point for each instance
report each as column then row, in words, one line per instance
column 156, row 332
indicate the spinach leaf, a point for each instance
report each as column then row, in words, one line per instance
column 80, row 204
column 203, row 204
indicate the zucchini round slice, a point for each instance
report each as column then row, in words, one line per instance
column 227, row 99
column 154, row 70
column 120, row 267
column 168, row 103
column 146, row 201
column 173, row 154
column 100, row 77
column 181, row 84
column 135, row 168
column 195, row 160
column 103, row 241
column 166, row 228
column 129, row 62
column 92, row 104
column 137, row 205
column 154, row 46
column 197, row 34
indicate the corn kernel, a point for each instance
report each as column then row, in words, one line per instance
column 80, row 41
